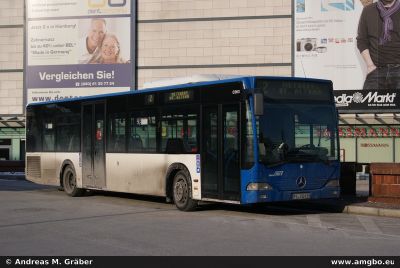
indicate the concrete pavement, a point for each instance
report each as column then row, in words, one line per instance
column 346, row 204
column 39, row 220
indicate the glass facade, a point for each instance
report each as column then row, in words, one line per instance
column 370, row 143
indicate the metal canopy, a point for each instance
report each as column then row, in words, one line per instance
column 12, row 122
column 369, row 119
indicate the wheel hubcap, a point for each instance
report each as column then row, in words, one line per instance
column 70, row 182
column 180, row 191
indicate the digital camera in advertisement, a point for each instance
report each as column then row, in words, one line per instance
column 306, row 44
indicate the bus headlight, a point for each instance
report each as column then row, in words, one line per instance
column 258, row 186
column 333, row 183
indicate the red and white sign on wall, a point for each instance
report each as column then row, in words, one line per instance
column 368, row 132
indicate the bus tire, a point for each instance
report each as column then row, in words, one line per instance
column 181, row 192
column 69, row 182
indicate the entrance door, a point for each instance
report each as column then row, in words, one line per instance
column 4, row 153
column 220, row 152
column 93, row 145
column 5, row 149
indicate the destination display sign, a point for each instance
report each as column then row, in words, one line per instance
column 295, row 90
column 179, row 96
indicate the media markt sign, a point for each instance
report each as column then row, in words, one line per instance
column 370, row 100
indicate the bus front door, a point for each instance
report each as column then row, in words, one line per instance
column 220, row 152
column 93, row 145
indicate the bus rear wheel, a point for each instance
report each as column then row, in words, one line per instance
column 69, row 182
column 181, row 192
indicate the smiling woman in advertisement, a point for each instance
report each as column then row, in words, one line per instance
column 109, row 53
column 379, row 43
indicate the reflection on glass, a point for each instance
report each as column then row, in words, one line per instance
column 231, row 152
column 297, row 133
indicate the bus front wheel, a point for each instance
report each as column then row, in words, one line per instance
column 69, row 182
column 181, row 192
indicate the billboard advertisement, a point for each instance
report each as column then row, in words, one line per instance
column 78, row 48
column 361, row 100
column 354, row 43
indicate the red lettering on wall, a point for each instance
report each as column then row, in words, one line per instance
column 349, row 131
column 372, row 132
column 341, row 134
column 363, row 132
column 360, row 132
column 395, row 132
column 384, row 132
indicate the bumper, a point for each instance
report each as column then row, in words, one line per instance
column 250, row 197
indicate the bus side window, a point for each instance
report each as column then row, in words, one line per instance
column 142, row 135
column 116, row 136
column 180, row 126
column 68, row 120
column 49, row 128
column 48, row 136
column 192, row 135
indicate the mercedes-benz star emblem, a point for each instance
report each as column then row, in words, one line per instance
column 301, row 182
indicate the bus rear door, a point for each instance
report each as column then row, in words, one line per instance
column 93, row 145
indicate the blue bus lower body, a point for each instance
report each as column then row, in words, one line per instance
column 251, row 197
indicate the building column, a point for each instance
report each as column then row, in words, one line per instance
column 15, row 144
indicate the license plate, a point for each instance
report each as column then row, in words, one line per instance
column 300, row 196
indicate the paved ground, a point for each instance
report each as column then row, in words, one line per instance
column 38, row 220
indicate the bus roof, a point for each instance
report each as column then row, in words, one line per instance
column 163, row 85
column 188, row 80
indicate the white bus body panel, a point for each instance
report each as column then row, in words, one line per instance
column 128, row 173
column 50, row 167
column 146, row 173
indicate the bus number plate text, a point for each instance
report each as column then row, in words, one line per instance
column 301, row 196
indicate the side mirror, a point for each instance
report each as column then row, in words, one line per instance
column 258, row 104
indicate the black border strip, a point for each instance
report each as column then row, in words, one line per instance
column 218, row 19
column 214, row 66
column 197, row 261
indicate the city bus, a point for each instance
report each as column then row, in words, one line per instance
column 240, row 140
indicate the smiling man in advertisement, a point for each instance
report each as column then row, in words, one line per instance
column 378, row 41
column 97, row 31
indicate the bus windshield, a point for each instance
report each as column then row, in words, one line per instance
column 297, row 132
